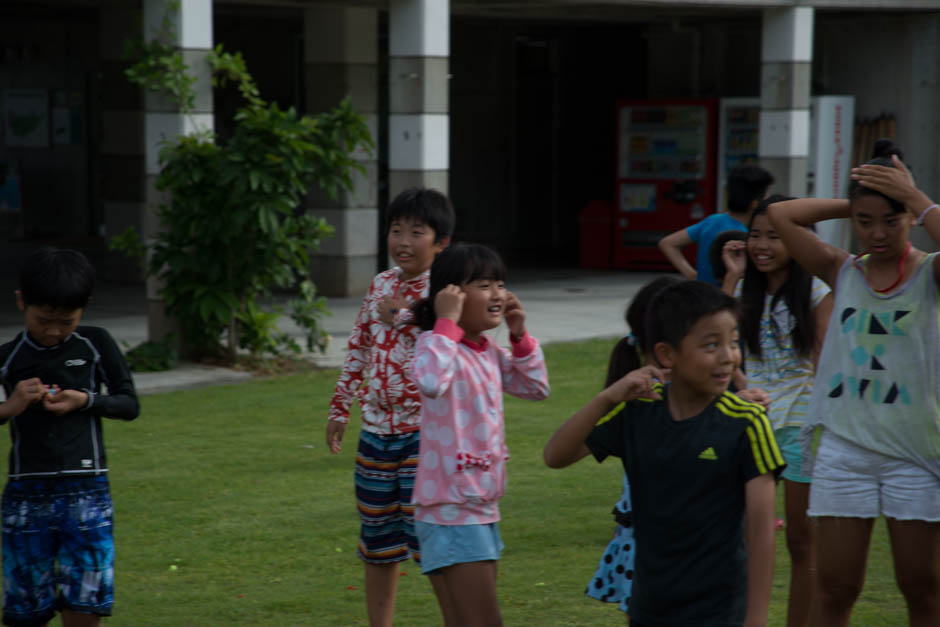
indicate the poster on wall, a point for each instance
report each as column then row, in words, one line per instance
column 26, row 117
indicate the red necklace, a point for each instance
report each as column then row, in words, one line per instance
column 897, row 281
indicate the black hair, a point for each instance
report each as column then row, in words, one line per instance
column 880, row 155
column 676, row 309
column 714, row 251
column 746, row 184
column 796, row 293
column 458, row 264
column 57, row 277
column 627, row 355
column 428, row 206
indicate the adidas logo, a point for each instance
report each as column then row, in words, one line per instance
column 708, row 453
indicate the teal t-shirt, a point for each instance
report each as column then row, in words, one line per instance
column 704, row 233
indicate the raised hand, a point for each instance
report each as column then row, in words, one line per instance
column 636, row 384
column 896, row 182
column 448, row 303
column 514, row 315
column 734, row 256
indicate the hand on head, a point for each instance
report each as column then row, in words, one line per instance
column 448, row 303
column 896, row 182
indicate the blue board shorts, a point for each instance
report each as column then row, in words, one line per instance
column 58, row 548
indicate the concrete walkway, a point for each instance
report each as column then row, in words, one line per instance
column 561, row 305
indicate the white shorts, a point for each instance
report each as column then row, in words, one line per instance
column 855, row 482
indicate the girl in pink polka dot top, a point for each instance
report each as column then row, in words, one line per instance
column 462, row 375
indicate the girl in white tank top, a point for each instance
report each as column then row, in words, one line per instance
column 877, row 389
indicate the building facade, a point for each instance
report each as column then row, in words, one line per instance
column 509, row 107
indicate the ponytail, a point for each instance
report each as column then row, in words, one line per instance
column 627, row 355
column 424, row 314
column 624, row 358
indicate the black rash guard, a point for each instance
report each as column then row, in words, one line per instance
column 50, row 446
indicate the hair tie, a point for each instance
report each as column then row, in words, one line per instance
column 631, row 339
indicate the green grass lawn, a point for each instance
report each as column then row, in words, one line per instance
column 229, row 510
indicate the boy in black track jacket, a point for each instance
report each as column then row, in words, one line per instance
column 58, row 548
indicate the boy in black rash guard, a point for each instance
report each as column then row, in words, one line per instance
column 58, row 547
column 701, row 464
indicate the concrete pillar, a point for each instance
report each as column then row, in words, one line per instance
column 120, row 132
column 922, row 150
column 192, row 32
column 419, row 123
column 786, row 63
column 340, row 60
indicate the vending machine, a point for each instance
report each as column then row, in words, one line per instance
column 665, row 178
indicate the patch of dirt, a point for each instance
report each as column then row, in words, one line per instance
column 263, row 366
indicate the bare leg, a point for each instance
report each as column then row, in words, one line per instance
column 841, row 554
column 381, row 588
column 802, row 553
column 71, row 618
column 915, row 546
column 471, row 587
column 443, row 600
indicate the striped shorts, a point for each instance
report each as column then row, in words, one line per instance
column 385, row 474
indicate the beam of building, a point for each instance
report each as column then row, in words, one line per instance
column 341, row 60
column 786, row 64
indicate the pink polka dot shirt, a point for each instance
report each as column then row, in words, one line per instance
column 462, row 461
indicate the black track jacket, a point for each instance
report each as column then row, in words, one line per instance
column 49, row 446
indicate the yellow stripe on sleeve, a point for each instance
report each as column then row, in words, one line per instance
column 755, row 450
column 657, row 387
column 763, row 443
column 613, row 412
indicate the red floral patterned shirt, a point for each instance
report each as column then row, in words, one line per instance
column 380, row 356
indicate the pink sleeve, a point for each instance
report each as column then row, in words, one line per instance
column 523, row 346
column 524, row 372
column 435, row 359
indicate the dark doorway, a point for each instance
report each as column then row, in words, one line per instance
column 535, row 147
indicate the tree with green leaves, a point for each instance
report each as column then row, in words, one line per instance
column 233, row 230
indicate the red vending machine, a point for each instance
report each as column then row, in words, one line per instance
column 666, row 174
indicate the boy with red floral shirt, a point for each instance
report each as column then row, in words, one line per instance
column 420, row 223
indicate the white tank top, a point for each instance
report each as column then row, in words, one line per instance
column 878, row 381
